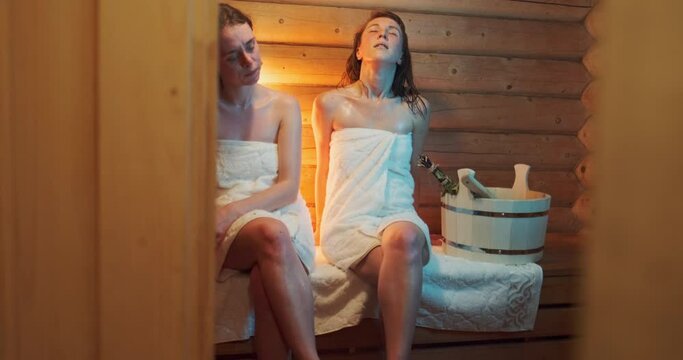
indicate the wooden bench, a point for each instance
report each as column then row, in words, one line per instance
column 552, row 337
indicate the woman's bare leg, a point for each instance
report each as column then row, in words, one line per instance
column 396, row 268
column 265, row 243
column 268, row 341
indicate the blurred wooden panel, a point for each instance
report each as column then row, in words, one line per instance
column 157, row 64
column 305, row 65
column 492, row 8
column 8, row 334
column 48, row 182
column 328, row 26
column 480, row 112
column 634, row 272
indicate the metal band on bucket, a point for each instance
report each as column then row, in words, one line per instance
column 493, row 251
column 493, row 213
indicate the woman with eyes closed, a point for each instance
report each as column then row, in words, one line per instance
column 368, row 132
column 262, row 223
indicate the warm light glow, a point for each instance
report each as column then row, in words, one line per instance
column 266, row 76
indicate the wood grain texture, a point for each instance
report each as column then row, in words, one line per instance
column 156, row 114
column 584, row 171
column 8, row 334
column 491, row 8
column 594, row 21
column 583, row 208
column 48, row 193
column 589, row 96
column 430, row 33
column 587, row 134
column 306, row 65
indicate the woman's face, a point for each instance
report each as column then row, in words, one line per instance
column 381, row 40
column 240, row 59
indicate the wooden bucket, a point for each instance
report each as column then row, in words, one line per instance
column 508, row 229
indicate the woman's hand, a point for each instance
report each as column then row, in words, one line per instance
column 225, row 216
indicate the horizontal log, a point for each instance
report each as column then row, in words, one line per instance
column 328, row 26
column 562, row 186
column 475, row 112
column 505, row 113
column 560, row 219
column 535, row 10
column 595, row 21
column 587, row 134
column 307, row 65
column 584, row 172
column 592, row 60
column 589, row 97
column 583, row 208
column 488, row 151
column 563, row 255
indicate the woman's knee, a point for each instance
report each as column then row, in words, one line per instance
column 407, row 242
column 272, row 240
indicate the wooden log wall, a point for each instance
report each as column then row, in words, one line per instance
column 505, row 80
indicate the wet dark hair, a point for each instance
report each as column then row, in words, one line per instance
column 403, row 84
column 230, row 16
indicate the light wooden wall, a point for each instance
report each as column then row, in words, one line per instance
column 505, row 80
column 106, row 179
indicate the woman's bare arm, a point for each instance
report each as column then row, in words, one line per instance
column 420, row 130
column 322, row 129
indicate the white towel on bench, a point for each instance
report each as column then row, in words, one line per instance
column 457, row 294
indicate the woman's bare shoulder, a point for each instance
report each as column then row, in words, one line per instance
column 334, row 97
